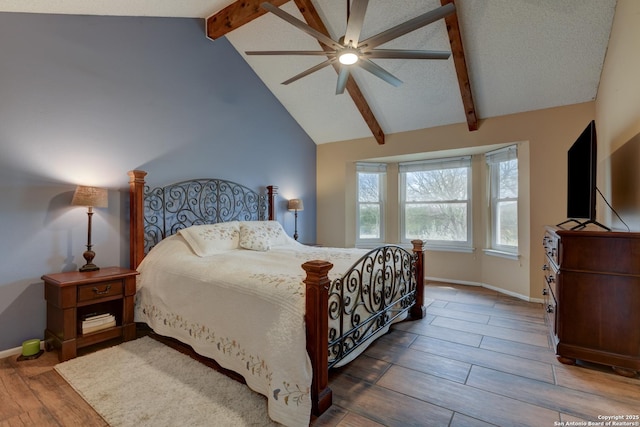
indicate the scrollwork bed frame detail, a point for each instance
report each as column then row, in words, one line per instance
column 318, row 288
column 374, row 292
column 219, row 200
column 199, row 201
column 166, row 210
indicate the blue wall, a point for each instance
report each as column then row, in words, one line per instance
column 83, row 100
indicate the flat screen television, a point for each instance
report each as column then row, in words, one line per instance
column 581, row 176
column 581, row 179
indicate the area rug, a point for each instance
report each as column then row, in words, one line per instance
column 145, row 383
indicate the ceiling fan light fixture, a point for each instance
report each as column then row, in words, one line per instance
column 350, row 50
column 348, row 57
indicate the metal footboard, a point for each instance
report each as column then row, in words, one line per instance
column 372, row 294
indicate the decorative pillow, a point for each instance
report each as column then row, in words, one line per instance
column 277, row 235
column 254, row 236
column 211, row 239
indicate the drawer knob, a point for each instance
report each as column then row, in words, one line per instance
column 99, row 292
column 545, row 267
column 545, row 291
column 549, row 309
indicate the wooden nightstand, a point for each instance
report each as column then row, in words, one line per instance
column 73, row 295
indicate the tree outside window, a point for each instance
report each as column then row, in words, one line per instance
column 370, row 183
column 436, row 201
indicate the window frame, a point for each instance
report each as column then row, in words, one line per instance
column 381, row 170
column 493, row 160
column 438, row 164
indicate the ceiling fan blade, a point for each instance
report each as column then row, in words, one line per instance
column 407, row 27
column 290, row 52
column 343, row 75
column 380, row 72
column 356, row 19
column 310, row 70
column 301, row 25
column 407, row 54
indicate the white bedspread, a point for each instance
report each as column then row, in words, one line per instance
column 243, row 308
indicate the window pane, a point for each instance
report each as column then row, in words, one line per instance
column 368, row 187
column 507, row 230
column 370, row 211
column 508, row 179
column 437, row 185
column 436, row 221
column 369, row 221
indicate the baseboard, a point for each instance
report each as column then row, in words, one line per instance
column 16, row 351
column 513, row 294
column 455, row 282
column 485, row 285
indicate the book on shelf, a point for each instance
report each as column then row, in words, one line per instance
column 95, row 328
column 96, row 316
column 97, row 321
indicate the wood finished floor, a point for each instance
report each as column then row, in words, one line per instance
column 479, row 358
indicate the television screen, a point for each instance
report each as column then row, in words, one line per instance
column 581, row 182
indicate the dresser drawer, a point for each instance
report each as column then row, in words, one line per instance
column 100, row 290
column 551, row 310
column 551, row 278
column 551, row 246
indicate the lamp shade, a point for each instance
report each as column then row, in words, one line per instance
column 90, row 196
column 295, row 205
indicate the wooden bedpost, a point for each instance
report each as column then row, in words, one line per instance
column 317, row 325
column 136, row 217
column 418, row 310
column 272, row 190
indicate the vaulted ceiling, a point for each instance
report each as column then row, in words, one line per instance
column 509, row 56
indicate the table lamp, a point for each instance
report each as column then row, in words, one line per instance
column 91, row 197
column 295, row 205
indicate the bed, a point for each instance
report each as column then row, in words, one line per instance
column 218, row 273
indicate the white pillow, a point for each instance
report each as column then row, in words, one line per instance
column 254, row 237
column 211, row 239
column 277, row 235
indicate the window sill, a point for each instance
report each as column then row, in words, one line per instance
column 409, row 247
column 501, row 254
column 370, row 245
column 444, row 248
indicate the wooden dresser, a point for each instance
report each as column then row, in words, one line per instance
column 592, row 296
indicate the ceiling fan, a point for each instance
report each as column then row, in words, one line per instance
column 351, row 51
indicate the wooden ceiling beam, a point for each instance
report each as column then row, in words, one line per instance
column 236, row 15
column 243, row 11
column 457, row 51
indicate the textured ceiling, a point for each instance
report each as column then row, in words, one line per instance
column 167, row 8
column 522, row 55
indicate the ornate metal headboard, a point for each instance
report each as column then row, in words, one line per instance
column 163, row 211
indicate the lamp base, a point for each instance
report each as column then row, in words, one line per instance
column 88, row 256
column 89, row 267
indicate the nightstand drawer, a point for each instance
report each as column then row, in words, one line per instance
column 99, row 290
